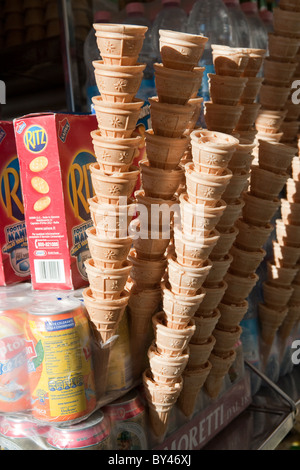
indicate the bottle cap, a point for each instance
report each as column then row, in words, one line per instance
column 135, row 7
column 102, row 16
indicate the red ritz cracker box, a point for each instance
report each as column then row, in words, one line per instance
column 14, row 258
column 55, row 151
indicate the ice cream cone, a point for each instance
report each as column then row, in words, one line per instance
column 287, row 234
column 238, row 287
column 166, row 369
column 258, row 211
column 169, row 341
column 118, row 83
column 290, row 5
column 151, row 245
column 245, row 262
column 269, row 137
column 229, row 61
column 186, row 280
column 286, row 23
column 193, row 253
column 206, row 189
column 105, row 314
column 205, row 327
column 218, row 270
column 237, row 185
column 224, row 243
column 144, row 208
column 231, row 315
column 181, row 51
column 214, row 117
column 248, row 117
column 160, row 183
column 111, row 221
column 169, row 120
column 278, row 73
column 119, row 153
column 275, row 156
column 267, row 184
column 290, row 131
column 248, row 135
column 251, row 90
column 297, row 278
column 119, row 44
column 242, row 157
column 296, row 168
column 161, row 398
column 226, row 340
column 280, row 276
column 146, row 273
column 193, row 381
column 276, row 297
column 269, row 121
column 177, row 86
column 295, row 297
column 226, row 90
column 144, row 301
column 117, row 120
column 286, row 256
column 273, row 97
column 270, row 320
column 293, row 190
column 252, row 237
column 179, row 309
column 164, row 152
column 107, row 283
column 293, row 111
column 213, row 296
column 255, row 61
column 108, row 253
column 199, row 353
column 283, row 48
column 220, row 367
column 230, row 215
column 290, row 212
column 113, row 188
column 289, row 322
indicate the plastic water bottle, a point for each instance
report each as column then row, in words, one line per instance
column 258, row 32
column 210, row 18
column 91, row 53
column 240, row 28
column 136, row 15
column 171, row 17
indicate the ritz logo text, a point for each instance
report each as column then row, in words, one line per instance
column 2, row 92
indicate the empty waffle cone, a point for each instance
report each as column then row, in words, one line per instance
column 181, row 51
column 231, row 314
column 177, row 86
column 245, row 262
column 238, row 287
column 193, row 381
column 212, row 150
column 107, row 283
column 238, row 183
column 248, row 117
column 290, row 212
column 270, row 320
column 180, row 309
column 274, row 156
column 255, row 61
column 296, row 168
column 166, row 369
column 105, row 314
column 242, row 157
column 164, row 220
column 120, row 44
column 295, row 297
column 111, row 221
column 108, row 253
column 171, row 342
column 286, row 23
column 205, row 326
column 144, row 301
column 283, row 48
column 290, row 5
column 115, row 154
column 278, row 73
column 293, row 111
column 252, row 237
column 161, row 398
column 226, row 340
column 150, row 243
column 230, row 215
column 165, row 152
column 224, row 243
column 226, row 89
column 146, row 273
column 218, row 270
column 229, row 61
column 286, row 256
column 205, row 188
column 186, row 280
column 113, row 188
column 258, row 211
column 194, row 253
column 213, row 296
column 276, row 137
column 196, row 103
column 289, row 322
column 214, row 117
column 273, row 97
column 199, row 353
column 267, row 184
column 220, row 367
column 280, row 276
column 290, row 131
column 287, row 234
column 169, row 120
column 160, row 183
column 251, row 90
column 118, row 83
column 199, row 220
column 293, row 190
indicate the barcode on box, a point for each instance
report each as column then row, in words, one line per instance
column 48, row 271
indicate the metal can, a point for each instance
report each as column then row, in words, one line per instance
column 128, row 422
column 90, row 434
column 61, row 376
column 14, row 380
column 18, row 432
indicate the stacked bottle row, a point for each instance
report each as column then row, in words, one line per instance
column 174, row 113
column 113, row 177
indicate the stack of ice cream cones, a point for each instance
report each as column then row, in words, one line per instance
column 174, row 114
column 113, row 176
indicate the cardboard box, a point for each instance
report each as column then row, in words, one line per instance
column 55, row 151
column 14, row 259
